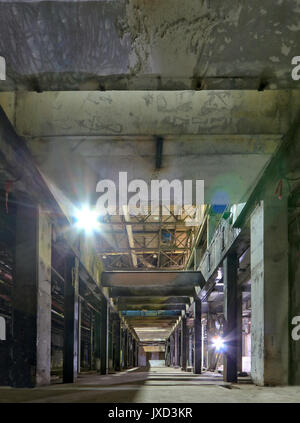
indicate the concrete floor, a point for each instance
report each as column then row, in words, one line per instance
column 157, row 385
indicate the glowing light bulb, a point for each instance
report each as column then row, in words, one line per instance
column 218, row 343
column 87, row 219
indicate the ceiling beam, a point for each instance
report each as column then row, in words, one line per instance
column 175, row 307
column 153, row 300
column 156, row 291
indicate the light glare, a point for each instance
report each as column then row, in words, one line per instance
column 87, row 219
column 218, row 343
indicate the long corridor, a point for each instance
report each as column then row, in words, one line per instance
column 149, row 204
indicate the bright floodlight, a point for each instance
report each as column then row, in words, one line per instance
column 218, row 343
column 87, row 219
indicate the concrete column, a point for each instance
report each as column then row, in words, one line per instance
column 239, row 328
column 110, row 341
column 211, row 355
column 169, row 352
column 177, row 346
column 173, row 349
column 70, row 364
column 187, row 346
column 191, row 347
column 230, row 266
column 104, row 337
column 197, row 337
column 134, row 353
column 97, row 340
column 126, row 349
column 92, row 354
column 269, row 293
column 294, row 272
column 31, row 301
column 183, row 343
column 137, row 354
column 117, row 344
column 129, row 349
column 79, row 335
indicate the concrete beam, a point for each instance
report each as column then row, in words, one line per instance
column 175, row 307
column 147, row 279
column 156, row 291
column 69, row 114
column 121, row 301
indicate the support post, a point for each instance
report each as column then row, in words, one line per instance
column 117, row 344
column 31, row 300
column 79, row 334
column 70, row 364
column 177, row 347
column 104, row 337
column 97, row 340
column 230, row 265
column 183, row 343
column 126, row 348
column 172, row 349
column 270, row 292
column 197, row 337
column 239, row 328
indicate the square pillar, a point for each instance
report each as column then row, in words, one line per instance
column 183, row 343
column 97, row 341
column 137, row 354
column 197, row 337
column 239, row 328
column 31, row 299
column 129, row 349
column 270, row 293
column 104, row 328
column 117, row 344
column 230, row 266
column 168, row 353
column 124, row 348
column 172, row 338
column 71, row 323
column 79, row 335
column 177, row 346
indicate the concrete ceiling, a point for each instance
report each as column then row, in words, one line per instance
column 142, row 44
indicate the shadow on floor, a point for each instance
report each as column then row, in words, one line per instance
column 129, row 386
